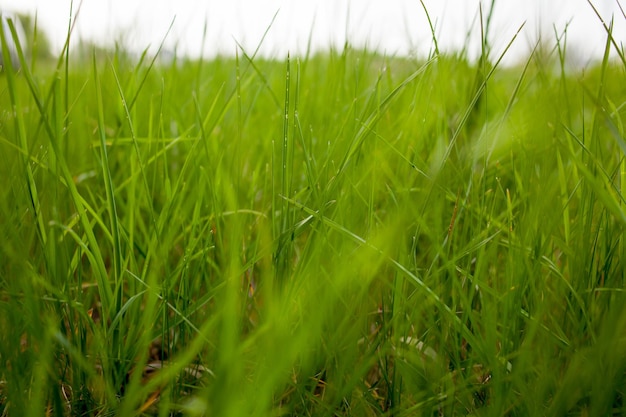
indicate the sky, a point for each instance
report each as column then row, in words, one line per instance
column 394, row 27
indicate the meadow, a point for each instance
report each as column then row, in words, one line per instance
column 334, row 234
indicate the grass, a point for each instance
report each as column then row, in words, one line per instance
column 335, row 234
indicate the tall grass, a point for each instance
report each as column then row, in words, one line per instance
column 344, row 233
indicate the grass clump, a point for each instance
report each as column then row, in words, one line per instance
column 340, row 234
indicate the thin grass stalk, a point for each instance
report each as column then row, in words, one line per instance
column 21, row 129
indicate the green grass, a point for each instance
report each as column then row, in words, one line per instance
column 335, row 234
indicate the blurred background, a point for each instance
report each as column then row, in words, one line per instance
column 394, row 27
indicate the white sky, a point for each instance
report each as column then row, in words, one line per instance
column 391, row 26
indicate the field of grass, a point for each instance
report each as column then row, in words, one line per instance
column 336, row 234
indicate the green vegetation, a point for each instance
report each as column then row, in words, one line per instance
column 334, row 234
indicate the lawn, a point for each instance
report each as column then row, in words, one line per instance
column 334, row 234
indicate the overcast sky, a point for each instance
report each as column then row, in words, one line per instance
column 391, row 26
